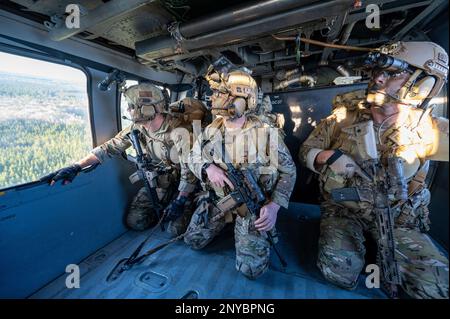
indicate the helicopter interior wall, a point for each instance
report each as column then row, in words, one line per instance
column 302, row 111
column 439, row 206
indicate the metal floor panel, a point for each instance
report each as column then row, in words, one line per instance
column 177, row 271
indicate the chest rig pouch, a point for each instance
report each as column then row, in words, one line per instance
column 356, row 141
column 414, row 212
column 158, row 170
column 359, row 192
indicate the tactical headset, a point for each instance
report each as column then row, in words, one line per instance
column 239, row 98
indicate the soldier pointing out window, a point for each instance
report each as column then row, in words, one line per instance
column 157, row 133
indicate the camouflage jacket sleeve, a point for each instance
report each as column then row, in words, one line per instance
column 320, row 138
column 114, row 146
column 287, row 174
column 200, row 154
column 182, row 138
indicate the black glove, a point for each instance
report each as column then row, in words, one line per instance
column 175, row 209
column 66, row 174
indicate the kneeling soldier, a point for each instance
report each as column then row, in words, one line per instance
column 249, row 188
column 372, row 158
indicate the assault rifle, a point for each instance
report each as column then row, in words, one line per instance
column 380, row 187
column 246, row 191
column 147, row 175
column 385, row 227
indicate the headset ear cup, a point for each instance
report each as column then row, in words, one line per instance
column 239, row 106
column 420, row 90
column 148, row 110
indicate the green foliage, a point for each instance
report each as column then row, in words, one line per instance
column 43, row 126
column 18, row 85
column 31, row 149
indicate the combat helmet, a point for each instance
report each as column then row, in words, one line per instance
column 426, row 61
column 146, row 100
column 239, row 93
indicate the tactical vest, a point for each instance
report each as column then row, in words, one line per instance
column 160, row 149
column 265, row 173
column 396, row 139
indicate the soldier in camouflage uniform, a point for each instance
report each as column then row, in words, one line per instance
column 164, row 138
column 402, row 129
column 234, row 104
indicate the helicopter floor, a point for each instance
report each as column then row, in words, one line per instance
column 180, row 272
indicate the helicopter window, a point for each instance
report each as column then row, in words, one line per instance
column 44, row 118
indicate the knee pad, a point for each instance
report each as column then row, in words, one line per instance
column 252, row 271
column 195, row 242
column 342, row 276
column 139, row 221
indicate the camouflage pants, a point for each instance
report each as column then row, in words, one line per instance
column 141, row 214
column 252, row 247
column 423, row 269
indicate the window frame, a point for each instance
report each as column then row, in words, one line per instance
column 119, row 103
column 26, row 53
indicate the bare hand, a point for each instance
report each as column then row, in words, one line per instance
column 267, row 217
column 218, row 177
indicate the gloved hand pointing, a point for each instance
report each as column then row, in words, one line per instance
column 66, row 174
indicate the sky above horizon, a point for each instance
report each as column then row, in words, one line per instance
column 16, row 64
